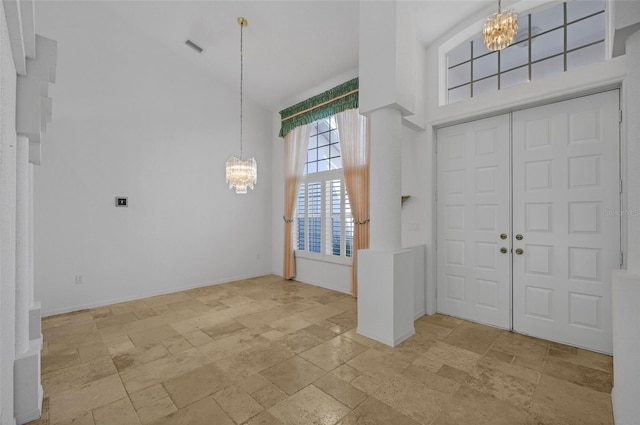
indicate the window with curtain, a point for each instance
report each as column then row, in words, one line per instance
column 323, row 220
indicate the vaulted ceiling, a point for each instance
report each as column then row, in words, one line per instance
column 290, row 47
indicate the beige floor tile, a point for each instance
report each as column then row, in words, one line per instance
column 195, row 385
column 528, row 352
column 289, row 324
column 223, row 329
column 269, row 396
column 309, row 406
column 85, row 418
column 270, row 354
column 473, row 337
column 431, row 379
column 375, row 412
column 238, row 404
column 342, row 391
column 263, row 418
column 431, row 330
column 333, row 353
column 442, row 320
column 138, row 356
column 60, row 359
column 223, row 348
column 377, row 363
column 293, row 350
column 153, row 336
column 319, row 313
column 119, row 412
column 89, row 352
column 502, row 386
column 514, row 370
column 363, row 340
column 69, row 404
column 78, row 375
column 146, row 375
column 347, row 319
column 471, row 407
column 154, row 411
column 197, row 337
column 558, row 402
column 67, row 319
column 293, row 374
column 300, row 341
column 584, row 358
column 203, row 412
column 411, row 398
column 321, row 332
column 441, row 353
column 577, row 374
column 346, row 373
column 148, row 396
column 116, row 320
column 254, row 383
column 367, row 383
column 453, row 374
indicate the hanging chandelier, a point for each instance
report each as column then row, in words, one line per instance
column 241, row 174
column 500, row 29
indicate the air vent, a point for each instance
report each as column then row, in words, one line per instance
column 194, row 46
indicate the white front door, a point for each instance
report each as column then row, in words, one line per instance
column 550, row 182
column 473, row 211
column 566, row 192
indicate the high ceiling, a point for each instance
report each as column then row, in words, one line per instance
column 292, row 48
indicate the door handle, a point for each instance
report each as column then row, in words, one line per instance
column 503, row 236
column 503, row 250
column 519, row 237
column 519, row 251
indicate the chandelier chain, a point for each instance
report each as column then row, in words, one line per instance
column 241, row 81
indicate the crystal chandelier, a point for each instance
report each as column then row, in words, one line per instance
column 500, row 29
column 241, row 174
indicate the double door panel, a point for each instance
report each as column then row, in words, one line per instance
column 557, row 179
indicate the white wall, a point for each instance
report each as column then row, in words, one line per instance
column 138, row 121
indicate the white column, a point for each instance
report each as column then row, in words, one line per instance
column 22, row 246
column 8, row 276
column 385, row 180
column 626, row 283
column 632, row 124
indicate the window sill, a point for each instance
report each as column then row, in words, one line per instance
column 333, row 259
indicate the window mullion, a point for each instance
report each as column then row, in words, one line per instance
column 343, row 239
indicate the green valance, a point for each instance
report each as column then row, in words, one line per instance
column 337, row 99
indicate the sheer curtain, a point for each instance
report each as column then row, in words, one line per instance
column 354, row 146
column 296, row 143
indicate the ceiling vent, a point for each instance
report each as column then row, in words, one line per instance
column 194, row 46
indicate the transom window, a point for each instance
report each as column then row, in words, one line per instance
column 551, row 40
column 323, row 220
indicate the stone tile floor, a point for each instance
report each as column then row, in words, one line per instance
column 266, row 351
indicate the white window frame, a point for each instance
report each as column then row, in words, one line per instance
column 326, row 230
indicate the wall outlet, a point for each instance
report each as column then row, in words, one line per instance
column 79, row 279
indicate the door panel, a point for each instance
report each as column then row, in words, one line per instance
column 473, row 210
column 565, row 186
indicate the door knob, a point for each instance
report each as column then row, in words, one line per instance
column 519, row 251
column 519, row 237
column 503, row 250
column 503, row 236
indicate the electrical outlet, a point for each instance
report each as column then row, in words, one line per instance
column 79, row 279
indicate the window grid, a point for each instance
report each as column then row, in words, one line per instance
column 323, row 221
column 530, row 62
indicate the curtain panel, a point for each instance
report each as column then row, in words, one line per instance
column 296, row 143
column 323, row 105
column 354, row 146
